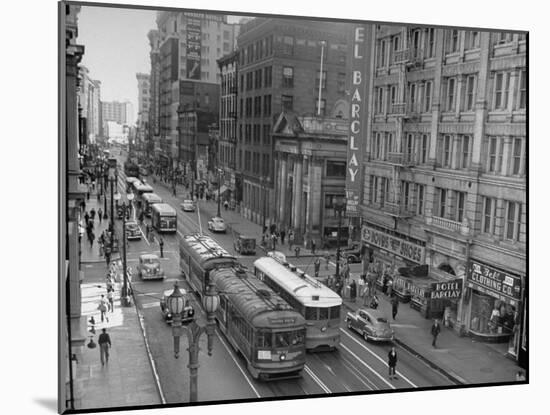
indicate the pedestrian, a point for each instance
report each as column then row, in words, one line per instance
column 92, row 239
column 392, row 362
column 317, row 267
column 290, row 240
column 111, row 298
column 436, row 328
column 104, row 346
column 274, row 241
column 389, row 288
column 312, row 247
column 103, row 307
column 107, row 252
column 141, row 216
column 297, row 251
column 87, row 218
column 394, row 306
column 226, row 205
column 147, row 231
column 174, row 190
column 88, row 194
column 374, row 302
column 361, row 286
column 353, row 290
column 92, row 214
column 283, row 234
column 100, row 214
column 98, row 196
column 161, row 245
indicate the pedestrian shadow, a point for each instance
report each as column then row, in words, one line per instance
column 48, row 403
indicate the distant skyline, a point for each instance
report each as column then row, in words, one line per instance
column 117, row 47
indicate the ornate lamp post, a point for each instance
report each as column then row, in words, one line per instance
column 124, row 296
column 104, row 191
column 176, row 303
column 220, row 174
column 339, row 207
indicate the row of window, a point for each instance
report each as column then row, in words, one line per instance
column 254, row 79
column 414, row 147
column 380, row 193
column 258, row 50
column 256, row 163
column 252, row 106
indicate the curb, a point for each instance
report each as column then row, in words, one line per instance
column 453, row 378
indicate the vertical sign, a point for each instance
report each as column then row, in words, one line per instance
column 193, row 48
column 358, row 116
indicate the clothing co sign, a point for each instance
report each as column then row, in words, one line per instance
column 493, row 282
column 401, row 247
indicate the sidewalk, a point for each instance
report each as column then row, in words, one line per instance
column 460, row 359
column 128, row 379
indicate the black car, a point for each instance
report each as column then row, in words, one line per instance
column 353, row 254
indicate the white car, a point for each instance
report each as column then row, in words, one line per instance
column 188, row 206
column 217, row 224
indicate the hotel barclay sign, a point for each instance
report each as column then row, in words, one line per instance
column 408, row 250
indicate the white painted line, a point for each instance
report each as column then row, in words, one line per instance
column 149, row 305
column 378, row 357
column 367, row 366
column 316, row 379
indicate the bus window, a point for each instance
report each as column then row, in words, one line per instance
column 263, row 339
column 323, row 313
column 335, row 312
column 311, row 313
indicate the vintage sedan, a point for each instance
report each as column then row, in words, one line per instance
column 132, row 230
column 149, row 268
column 217, row 224
column 188, row 206
column 188, row 313
column 371, row 324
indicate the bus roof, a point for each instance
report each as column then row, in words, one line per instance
column 143, row 187
column 164, row 208
column 307, row 290
column 152, row 197
column 131, row 179
column 256, row 301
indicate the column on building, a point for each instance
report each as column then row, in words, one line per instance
column 297, row 207
column 314, row 199
column 282, row 180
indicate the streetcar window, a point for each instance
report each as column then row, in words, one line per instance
column 323, row 313
column 311, row 313
column 263, row 339
column 335, row 312
column 297, row 337
column 282, row 339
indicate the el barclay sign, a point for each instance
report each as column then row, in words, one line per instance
column 358, row 116
column 447, row 289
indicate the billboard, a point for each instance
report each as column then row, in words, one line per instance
column 193, row 48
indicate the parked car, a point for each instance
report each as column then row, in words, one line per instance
column 132, row 230
column 217, row 224
column 245, row 245
column 188, row 313
column 149, row 267
column 371, row 324
column 188, row 206
column 352, row 254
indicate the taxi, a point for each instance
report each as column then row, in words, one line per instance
column 132, row 230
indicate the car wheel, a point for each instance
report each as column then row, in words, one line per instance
column 365, row 336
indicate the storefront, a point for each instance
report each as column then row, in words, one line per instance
column 493, row 305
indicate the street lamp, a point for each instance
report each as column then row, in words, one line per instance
column 220, row 173
column 125, row 297
column 176, row 303
column 104, row 192
column 262, row 181
column 339, row 207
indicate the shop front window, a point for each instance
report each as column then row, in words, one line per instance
column 491, row 316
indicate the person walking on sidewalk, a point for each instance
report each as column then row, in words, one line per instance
column 313, row 247
column 290, row 239
column 111, row 298
column 317, row 266
column 92, row 214
column 104, row 346
column 392, row 363
column 103, row 308
column 100, row 214
column 87, row 218
column 161, row 246
column 394, row 306
column 436, row 328
column 282, row 234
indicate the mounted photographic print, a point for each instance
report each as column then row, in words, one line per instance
column 267, row 207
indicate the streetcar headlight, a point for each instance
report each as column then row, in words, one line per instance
column 282, row 357
column 323, row 329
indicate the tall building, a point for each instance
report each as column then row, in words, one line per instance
column 153, row 140
column 120, row 112
column 144, row 90
column 444, row 174
column 90, row 97
column 280, row 69
column 189, row 44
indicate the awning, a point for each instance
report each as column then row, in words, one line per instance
column 223, row 189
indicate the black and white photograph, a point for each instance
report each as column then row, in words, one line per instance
column 272, row 207
column 283, row 209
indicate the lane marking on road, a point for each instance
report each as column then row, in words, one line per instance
column 377, row 357
column 144, row 237
column 145, row 294
column 149, row 305
column 367, row 366
column 317, row 380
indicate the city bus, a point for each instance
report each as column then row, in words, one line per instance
column 163, row 218
column 199, row 254
column 130, row 182
column 320, row 306
column 149, row 199
column 258, row 323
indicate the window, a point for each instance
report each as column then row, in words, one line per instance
column 287, row 102
column 323, row 107
column 225, row 35
column 382, row 54
column 430, row 42
column 424, row 148
column 502, row 83
column 445, row 151
column 472, row 40
column 488, row 217
column 267, row 76
column 288, row 76
column 428, row 96
column 517, row 156
column 465, row 153
column 441, row 201
column 258, row 80
column 267, row 130
column 412, row 97
column 452, row 41
column 388, row 144
column 323, row 82
column 458, row 211
column 450, row 94
column 267, row 105
column 406, row 188
column 470, row 93
column 376, row 147
column 288, row 45
column 336, row 168
column 393, row 97
column 341, row 83
column 420, row 199
column 410, row 147
column 378, row 100
column 513, row 220
column 503, row 37
column 395, row 48
column 242, row 83
column 373, row 189
column 494, row 159
column 257, row 106
column 522, row 90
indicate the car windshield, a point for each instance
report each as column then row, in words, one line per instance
column 218, row 220
column 150, row 261
column 382, row 320
column 187, row 202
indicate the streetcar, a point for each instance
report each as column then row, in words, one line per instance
column 130, row 181
column 199, row 254
column 259, row 324
column 149, row 199
column 163, row 218
column 320, row 306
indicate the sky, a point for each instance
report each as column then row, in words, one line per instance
column 116, row 48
